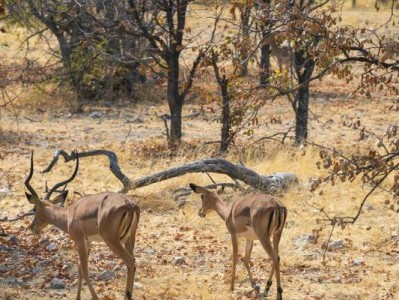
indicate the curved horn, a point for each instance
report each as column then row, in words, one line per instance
column 47, row 197
column 28, row 186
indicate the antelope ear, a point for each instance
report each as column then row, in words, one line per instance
column 32, row 199
column 60, row 199
column 220, row 190
column 197, row 189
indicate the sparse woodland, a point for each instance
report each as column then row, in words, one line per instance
column 299, row 99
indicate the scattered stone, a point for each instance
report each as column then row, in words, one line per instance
column 149, row 251
column 13, row 240
column 311, row 256
column 44, row 242
column 178, row 260
column 338, row 244
column 51, row 247
column 5, row 190
column 336, row 279
column 138, row 285
column 136, row 120
column 117, row 268
column 13, row 281
column 6, row 248
column 106, row 275
column 43, row 263
column 357, row 261
column 304, row 240
column 37, row 270
column 96, row 114
column 4, row 268
column 368, row 207
column 57, row 284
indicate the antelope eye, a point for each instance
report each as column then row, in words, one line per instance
column 202, row 197
column 34, row 210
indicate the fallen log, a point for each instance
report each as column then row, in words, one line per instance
column 268, row 183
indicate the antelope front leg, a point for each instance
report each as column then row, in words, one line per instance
column 235, row 256
column 81, row 274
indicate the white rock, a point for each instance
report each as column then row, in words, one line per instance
column 304, row 240
column 178, row 260
column 138, row 285
column 357, row 261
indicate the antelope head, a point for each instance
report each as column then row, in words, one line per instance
column 40, row 219
column 208, row 198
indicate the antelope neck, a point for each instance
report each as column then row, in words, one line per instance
column 57, row 216
column 222, row 208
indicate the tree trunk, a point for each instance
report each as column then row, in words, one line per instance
column 174, row 99
column 225, row 138
column 304, row 66
column 245, row 30
column 264, row 64
column 265, row 48
column 301, row 115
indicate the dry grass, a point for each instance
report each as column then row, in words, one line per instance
column 167, row 230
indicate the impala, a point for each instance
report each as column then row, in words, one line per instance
column 255, row 217
column 108, row 217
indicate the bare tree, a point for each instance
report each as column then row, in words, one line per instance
column 165, row 34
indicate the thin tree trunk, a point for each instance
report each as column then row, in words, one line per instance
column 265, row 64
column 265, row 49
column 304, row 66
column 174, row 99
column 225, row 140
column 245, row 30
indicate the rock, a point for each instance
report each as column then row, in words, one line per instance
column 57, row 284
column 149, row 251
column 357, row 261
column 36, row 270
column 51, row 247
column 338, row 244
column 138, row 285
column 106, row 275
column 13, row 240
column 5, row 190
column 4, row 268
column 178, row 260
column 336, row 279
column 44, row 242
column 12, row 281
column 136, row 120
column 43, row 263
column 304, row 240
column 6, row 248
column 96, row 114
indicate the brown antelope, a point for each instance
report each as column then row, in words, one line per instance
column 254, row 217
column 108, row 217
column 281, row 52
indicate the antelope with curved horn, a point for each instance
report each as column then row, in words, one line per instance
column 108, row 217
column 254, row 217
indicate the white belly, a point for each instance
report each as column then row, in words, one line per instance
column 249, row 234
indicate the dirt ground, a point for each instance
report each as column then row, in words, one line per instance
column 178, row 254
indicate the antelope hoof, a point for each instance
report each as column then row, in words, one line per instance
column 128, row 295
column 256, row 287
